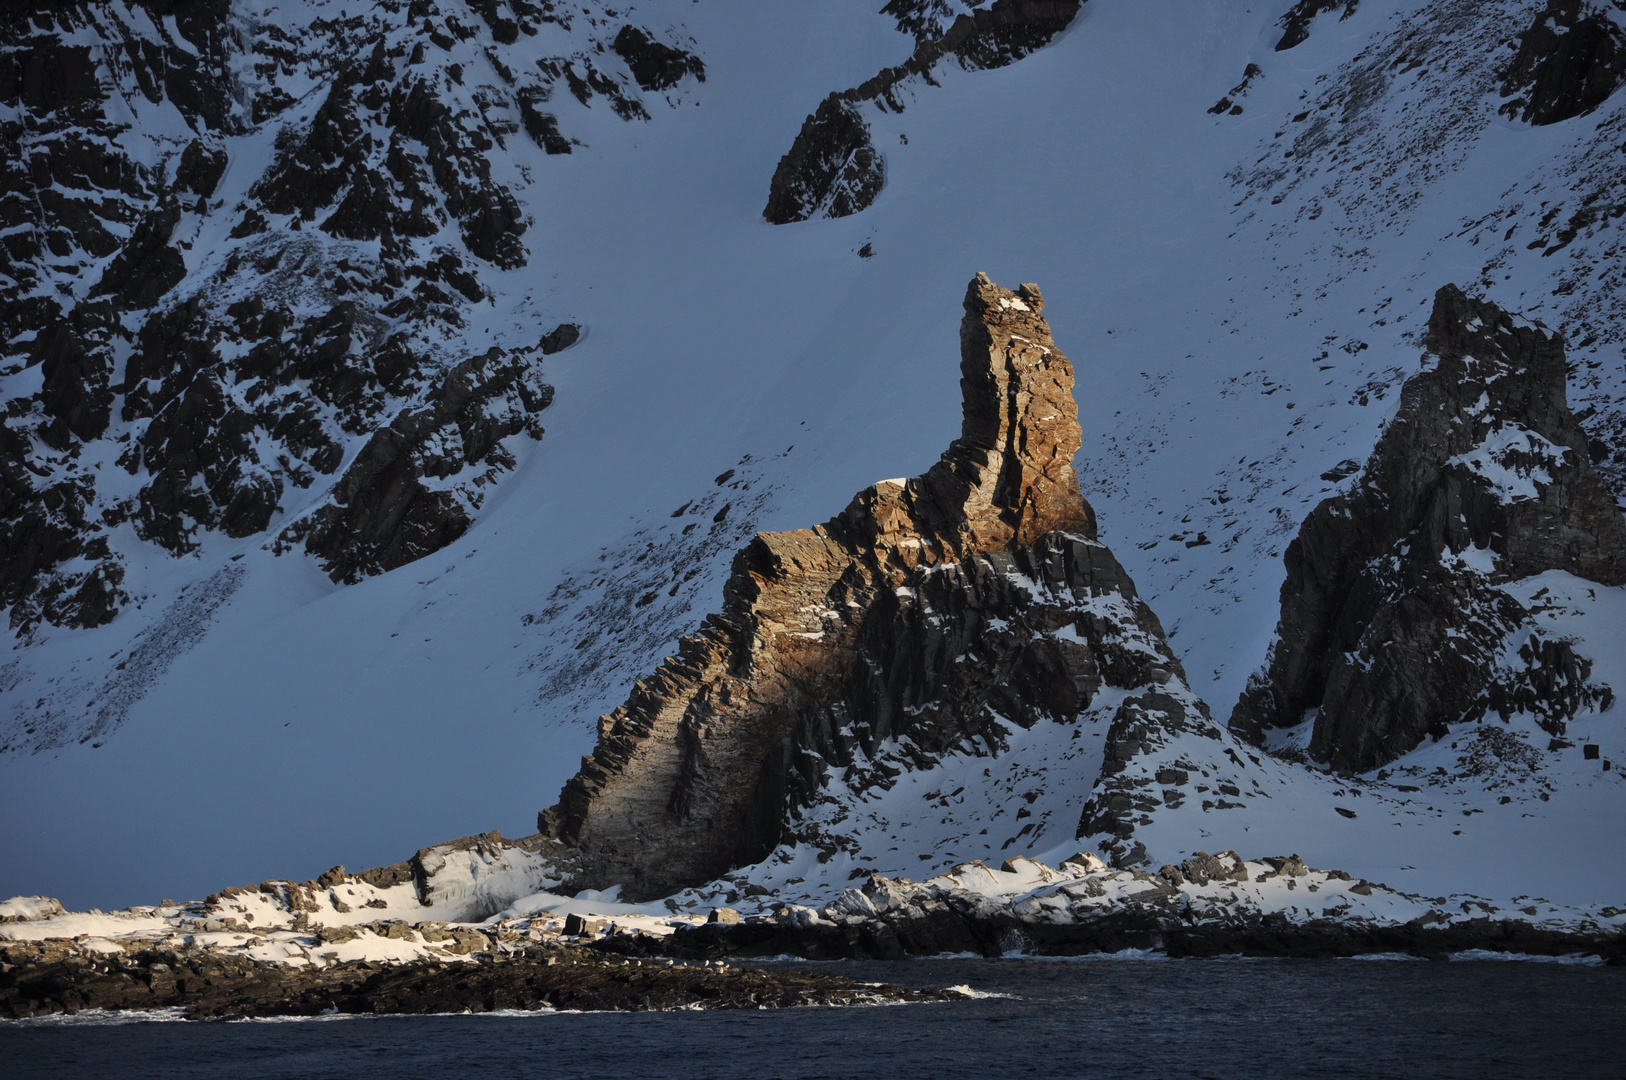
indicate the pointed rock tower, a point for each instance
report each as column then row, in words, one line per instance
column 852, row 632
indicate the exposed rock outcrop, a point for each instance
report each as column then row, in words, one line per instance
column 833, row 168
column 60, row 978
column 1570, row 60
column 325, row 311
column 930, row 613
column 1393, row 624
column 654, row 65
column 408, row 494
column 1296, row 23
column 1209, row 905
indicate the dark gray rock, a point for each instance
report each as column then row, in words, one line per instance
column 41, row 979
column 1570, row 60
column 221, row 408
column 147, row 267
column 1124, row 798
column 382, row 515
column 833, row 168
column 542, row 127
column 1203, row 868
column 1287, row 865
column 200, row 169
column 1296, row 23
column 76, row 394
column 1392, row 623
column 655, row 66
column 560, row 338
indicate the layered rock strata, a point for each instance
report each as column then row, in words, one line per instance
column 1392, row 623
column 931, row 612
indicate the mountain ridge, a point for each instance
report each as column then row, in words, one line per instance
column 1237, row 357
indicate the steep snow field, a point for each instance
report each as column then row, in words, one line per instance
column 1230, row 347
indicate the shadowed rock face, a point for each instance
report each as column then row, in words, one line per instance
column 1392, row 621
column 833, row 169
column 330, row 309
column 654, row 65
column 675, row 792
column 1569, row 62
column 1296, row 23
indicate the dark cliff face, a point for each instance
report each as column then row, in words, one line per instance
column 1392, row 624
column 1570, row 60
column 223, row 342
column 1302, row 15
column 72, row 200
column 833, row 168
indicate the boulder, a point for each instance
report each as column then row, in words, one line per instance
column 580, row 924
column 1085, row 862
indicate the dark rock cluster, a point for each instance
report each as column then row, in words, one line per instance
column 1570, row 60
column 74, row 205
column 228, row 378
column 1393, row 623
column 1296, row 23
column 54, row 977
column 890, row 919
column 961, row 928
column 386, row 510
column 654, row 65
column 833, row 168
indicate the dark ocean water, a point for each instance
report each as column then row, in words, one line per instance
column 1481, row 1020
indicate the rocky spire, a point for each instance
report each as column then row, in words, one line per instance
column 1392, row 621
column 688, row 777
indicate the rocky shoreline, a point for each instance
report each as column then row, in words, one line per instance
column 233, row 957
column 1267, row 936
column 694, row 967
column 55, row 977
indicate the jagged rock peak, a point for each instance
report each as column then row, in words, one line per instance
column 1008, row 479
column 688, row 778
column 1394, row 623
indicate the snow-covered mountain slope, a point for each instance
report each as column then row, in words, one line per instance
column 1239, row 327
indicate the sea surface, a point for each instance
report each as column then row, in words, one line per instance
column 1121, row 1017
